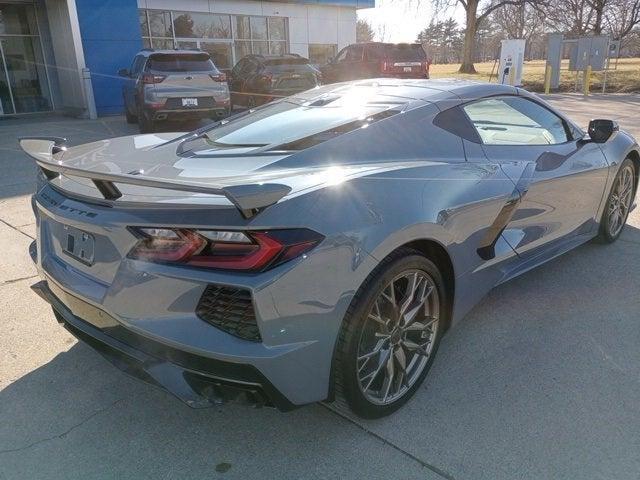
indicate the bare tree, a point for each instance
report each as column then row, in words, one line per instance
column 621, row 18
column 364, row 32
column 476, row 12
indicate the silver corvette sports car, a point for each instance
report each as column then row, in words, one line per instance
column 318, row 247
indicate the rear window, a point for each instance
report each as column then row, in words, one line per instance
column 197, row 62
column 286, row 61
column 405, row 52
column 296, row 125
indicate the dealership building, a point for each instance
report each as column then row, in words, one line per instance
column 64, row 55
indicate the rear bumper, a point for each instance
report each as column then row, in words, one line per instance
column 189, row 113
column 197, row 381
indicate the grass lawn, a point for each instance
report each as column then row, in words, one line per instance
column 624, row 79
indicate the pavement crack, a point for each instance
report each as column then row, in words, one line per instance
column 14, row 280
column 428, row 466
column 16, row 229
column 66, row 432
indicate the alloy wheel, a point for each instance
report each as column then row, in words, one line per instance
column 398, row 337
column 620, row 202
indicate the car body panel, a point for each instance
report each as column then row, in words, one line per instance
column 369, row 191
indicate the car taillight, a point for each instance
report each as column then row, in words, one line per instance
column 149, row 78
column 218, row 77
column 228, row 250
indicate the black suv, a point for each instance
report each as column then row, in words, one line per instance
column 372, row 60
column 257, row 79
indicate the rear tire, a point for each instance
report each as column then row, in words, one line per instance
column 130, row 118
column 616, row 210
column 145, row 124
column 402, row 357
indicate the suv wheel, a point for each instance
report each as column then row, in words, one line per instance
column 130, row 118
column 144, row 122
column 390, row 335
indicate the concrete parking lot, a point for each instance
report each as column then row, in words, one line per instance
column 540, row 381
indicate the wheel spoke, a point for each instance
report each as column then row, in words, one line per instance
column 373, row 375
column 411, row 315
column 388, row 378
column 420, row 326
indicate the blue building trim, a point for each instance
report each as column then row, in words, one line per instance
column 110, row 32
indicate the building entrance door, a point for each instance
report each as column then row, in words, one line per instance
column 24, row 86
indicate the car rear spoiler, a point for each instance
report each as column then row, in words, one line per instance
column 248, row 199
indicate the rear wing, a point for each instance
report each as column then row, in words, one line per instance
column 248, row 199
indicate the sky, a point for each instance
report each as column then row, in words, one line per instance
column 402, row 20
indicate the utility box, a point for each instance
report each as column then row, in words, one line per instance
column 511, row 62
column 590, row 51
column 554, row 57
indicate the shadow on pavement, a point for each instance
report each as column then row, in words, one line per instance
column 528, row 385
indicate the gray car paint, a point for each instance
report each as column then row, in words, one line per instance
column 368, row 192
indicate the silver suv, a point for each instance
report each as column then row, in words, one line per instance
column 173, row 84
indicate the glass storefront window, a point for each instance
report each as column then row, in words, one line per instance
column 320, row 54
column 144, row 24
column 243, row 29
column 24, row 87
column 201, row 25
column 242, row 49
column 277, row 48
column 235, row 35
column 277, row 28
column 162, row 43
column 259, row 28
column 261, row 48
column 160, row 24
column 16, row 19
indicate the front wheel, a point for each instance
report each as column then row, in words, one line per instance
column 390, row 335
column 619, row 203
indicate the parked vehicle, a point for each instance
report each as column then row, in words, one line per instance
column 258, row 79
column 317, row 247
column 173, row 85
column 371, row 60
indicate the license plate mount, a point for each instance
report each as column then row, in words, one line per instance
column 78, row 244
column 189, row 102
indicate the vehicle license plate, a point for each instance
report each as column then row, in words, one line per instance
column 407, row 69
column 189, row 102
column 78, row 244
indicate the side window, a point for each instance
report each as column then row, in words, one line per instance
column 342, row 55
column 515, row 121
column 136, row 66
column 354, row 53
column 374, row 53
column 237, row 70
column 249, row 67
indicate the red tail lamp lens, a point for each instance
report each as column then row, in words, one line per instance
column 218, row 77
column 149, row 78
column 228, row 250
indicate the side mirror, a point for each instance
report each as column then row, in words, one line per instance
column 601, row 130
column 123, row 72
